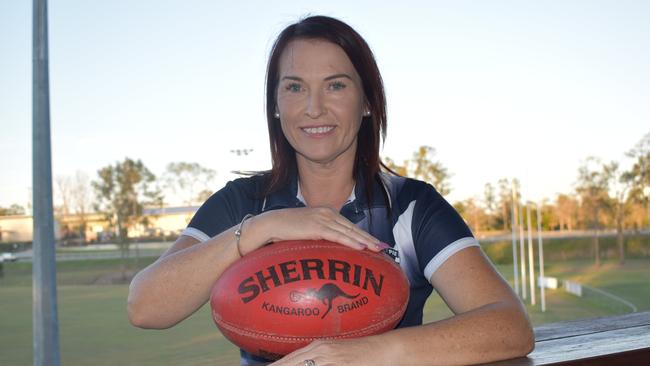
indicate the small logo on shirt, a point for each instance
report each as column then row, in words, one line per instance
column 393, row 253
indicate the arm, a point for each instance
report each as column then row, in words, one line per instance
column 490, row 324
column 180, row 281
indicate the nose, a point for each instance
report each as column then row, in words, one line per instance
column 315, row 107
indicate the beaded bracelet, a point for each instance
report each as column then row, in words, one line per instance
column 238, row 232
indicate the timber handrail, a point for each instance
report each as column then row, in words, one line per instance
column 615, row 340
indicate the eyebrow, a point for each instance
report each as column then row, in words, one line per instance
column 331, row 77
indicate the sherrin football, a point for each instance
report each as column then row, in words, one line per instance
column 285, row 295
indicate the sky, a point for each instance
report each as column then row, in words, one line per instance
column 501, row 89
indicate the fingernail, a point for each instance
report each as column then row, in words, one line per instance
column 365, row 246
column 382, row 245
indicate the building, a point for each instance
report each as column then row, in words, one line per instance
column 95, row 227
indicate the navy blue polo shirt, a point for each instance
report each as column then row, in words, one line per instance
column 409, row 215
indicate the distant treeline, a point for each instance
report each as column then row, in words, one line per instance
column 562, row 249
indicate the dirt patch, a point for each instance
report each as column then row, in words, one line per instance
column 115, row 278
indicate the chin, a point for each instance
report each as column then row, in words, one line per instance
column 319, row 157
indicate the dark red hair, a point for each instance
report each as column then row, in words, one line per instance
column 373, row 127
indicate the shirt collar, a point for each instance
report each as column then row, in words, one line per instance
column 380, row 192
column 285, row 197
column 290, row 195
column 351, row 198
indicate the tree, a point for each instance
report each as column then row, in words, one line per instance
column 204, row 195
column 473, row 214
column 592, row 189
column 189, row 181
column 14, row 209
column 566, row 211
column 618, row 205
column 75, row 198
column 489, row 200
column 422, row 166
column 639, row 175
column 81, row 201
column 63, row 191
column 505, row 203
column 122, row 190
column 399, row 169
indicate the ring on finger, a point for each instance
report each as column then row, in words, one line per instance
column 309, row 362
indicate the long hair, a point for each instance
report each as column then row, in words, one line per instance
column 373, row 128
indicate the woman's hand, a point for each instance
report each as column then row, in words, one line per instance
column 307, row 223
column 358, row 352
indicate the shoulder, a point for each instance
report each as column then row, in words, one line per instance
column 227, row 206
column 405, row 191
column 254, row 183
column 245, row 188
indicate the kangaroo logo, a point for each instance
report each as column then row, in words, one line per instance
column 326, row 294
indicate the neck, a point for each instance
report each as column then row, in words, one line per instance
column 326, row 185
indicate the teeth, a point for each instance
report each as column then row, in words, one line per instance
column 318, row 129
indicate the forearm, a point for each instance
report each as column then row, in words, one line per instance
column 492, row 332
column 178, row 284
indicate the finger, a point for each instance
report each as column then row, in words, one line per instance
column 296, row 357
column 355, row 233
column 347, row 233
column 342, row 238
column 350, row 226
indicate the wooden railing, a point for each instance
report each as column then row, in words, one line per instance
column 617, row 340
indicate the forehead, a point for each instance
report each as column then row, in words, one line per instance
column 314, row 57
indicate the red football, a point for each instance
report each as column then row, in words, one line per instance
column 284, row 296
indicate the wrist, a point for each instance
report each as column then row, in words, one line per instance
column 238, row 233
column 264, row 222
column 253, row 234
column 387, row 353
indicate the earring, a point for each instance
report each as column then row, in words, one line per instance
column 277, row 115
column 366, row 114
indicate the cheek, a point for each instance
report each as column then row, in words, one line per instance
column 350, row 107
column 354, row 114
column 284, row 127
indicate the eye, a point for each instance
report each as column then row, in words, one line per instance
column 293, row 87
column 337, row 85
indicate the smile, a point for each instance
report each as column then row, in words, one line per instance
column 318, row 130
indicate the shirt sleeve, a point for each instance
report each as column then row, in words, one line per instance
column 438, row 231
column 220, row 212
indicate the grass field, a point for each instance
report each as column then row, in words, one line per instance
column 94, row 329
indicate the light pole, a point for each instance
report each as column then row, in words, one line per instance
column 531, row 254
column 540, row 246
column 514, row 230
column 45, row 315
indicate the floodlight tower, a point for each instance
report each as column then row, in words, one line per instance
column 45, row 319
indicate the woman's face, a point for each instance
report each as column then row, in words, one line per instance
column 320, row 100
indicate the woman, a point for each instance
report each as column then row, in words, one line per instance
column 326, row 112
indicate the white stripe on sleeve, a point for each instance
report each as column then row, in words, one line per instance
column 196, row 234
column 446, row 253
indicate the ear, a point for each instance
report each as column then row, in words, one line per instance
column 366, row 108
